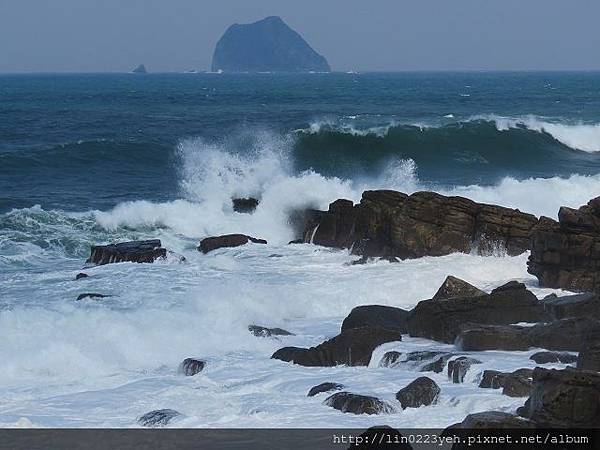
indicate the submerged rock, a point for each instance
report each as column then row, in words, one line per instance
column 553, row 357
column 324, row 387
column 259, row 331
column 268, row 45
column 455, row 287
column 158, row 418
column 347, row 402
column 376, row 316
column 226, row 241
column 390, row 359
column 352, row 347
column 244, row 205
column 566, row 254
column 421, row 392
column 81, row 275
column 192, row 366
column 92, row 295
column 134, row 251
column 458, row 368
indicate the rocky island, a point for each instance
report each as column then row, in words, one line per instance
column 268, row 45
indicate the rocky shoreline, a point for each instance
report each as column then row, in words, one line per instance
column 389, row 224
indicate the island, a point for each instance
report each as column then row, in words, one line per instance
column 140, row 69
column 268, row 45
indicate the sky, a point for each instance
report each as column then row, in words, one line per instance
column 376, row 35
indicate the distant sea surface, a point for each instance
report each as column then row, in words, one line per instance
column 97, row 158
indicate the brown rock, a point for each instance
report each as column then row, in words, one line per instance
column 455, row 287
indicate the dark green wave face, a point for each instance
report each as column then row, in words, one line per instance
column 82, row 142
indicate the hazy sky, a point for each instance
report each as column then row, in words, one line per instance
column 175, row 35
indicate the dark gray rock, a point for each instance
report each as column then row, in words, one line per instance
column 347, row 402
column 226, row 241
column 513, row 384
column 455, row 287
column 324, row 387
column 92, row 295
column 259, row 331
column 376, row 316
column 133, row 251
column 81, row 275
column 553, row 358
column 438, row 363
column 381, row 437
column 390, row 359
column 589, row 356
column 494, row 420
column 421, row 392
column 244, row 205
column 268, row 45
column 192, row 366
column 458, row 368
column 578, row 305
column 352, row 347
column 158, row 418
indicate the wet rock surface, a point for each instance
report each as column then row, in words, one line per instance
column 377, row 316
column 246, row 205
column 553, row 358
column 347, row 402
column 192, row 366
column 158, row 418
column 227, row 241
column 134, row 251
column 91, row 295
column 455, row 287
column 260, row 331
column 324, row 387
column 458, row 368
column 421, row 392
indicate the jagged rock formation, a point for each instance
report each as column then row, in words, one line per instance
column 134, row 251
column 393, row 224
column 566, row 254
column 268, row 45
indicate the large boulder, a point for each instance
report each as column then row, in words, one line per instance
column 134, row 251
column 347, row 402
column 566, row 254
column 513, row 384
column 455, row 287
column 228, row 240
column 246, row 205
column 443, row 319
column 421, row 392
column 390, row 223
column 568, row 398
column 268, row 45
column 553, row 358
column 376, row 316
column 578, row 305
column 352, row 347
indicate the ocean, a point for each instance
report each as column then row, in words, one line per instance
column 97, row 158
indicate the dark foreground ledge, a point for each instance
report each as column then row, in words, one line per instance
column 297, row 439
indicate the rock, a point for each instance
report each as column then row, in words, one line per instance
column 192, row 366
column 553, row 357
column 376, row 316
column 421, row 392
column 352, row 347
column 438, row 364
column 579, row 305
column 228, row 240
column 259, row 331
column 494, row 420
column 296, row 241
column 568, row 398
column 81, row 275
column 381, row 437
column 566, row 334
column 390, row 223
column 457, row 368
column 134, row 251
column 589, row 356
column 244, row 205
column 140, row 69
column 158, row 418
column 390, row 359
column 426, row 361
column 268, row 45
column 515, row 384
column 91, row 295
column 324, row 387
column 455, row 287
column 347, row 402
column 443, row 319
column 491, row 379
column 566, row 254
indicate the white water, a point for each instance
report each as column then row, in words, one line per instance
column 106, row 362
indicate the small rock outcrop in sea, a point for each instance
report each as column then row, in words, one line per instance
column 568, row 398
column 421, row 392
column 134, row 251
column 458, row 368
column 81, row 275
column 390, row 223
column 566, row 254
column 352, row 347
column 455, row 287
column 227, row 240
column 443, row 319
column 259, row 331
column 192, row 366
column 158, row 418
column 324, row 387
column 245, row 205
column 268, row 45
column 92, row 295
column 347, row 402
column 376, row 316
column 553, row 358
column 140, row 69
